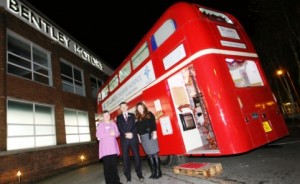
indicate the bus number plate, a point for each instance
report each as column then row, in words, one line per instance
column 266, row 126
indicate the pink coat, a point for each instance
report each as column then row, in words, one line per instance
column 108, row 144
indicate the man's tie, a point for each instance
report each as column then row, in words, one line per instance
column 125, row 117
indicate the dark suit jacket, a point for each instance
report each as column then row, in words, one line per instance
column 127, row 126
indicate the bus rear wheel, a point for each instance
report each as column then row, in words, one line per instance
column 166, row 160
column 171, row 160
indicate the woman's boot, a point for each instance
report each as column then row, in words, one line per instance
column 157, row 173
column 152, row 166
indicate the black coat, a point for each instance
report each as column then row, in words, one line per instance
column 127, row 126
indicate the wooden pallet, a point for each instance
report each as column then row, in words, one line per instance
column 199, row 169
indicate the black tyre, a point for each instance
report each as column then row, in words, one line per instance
column 166, row 160
column 171, row 160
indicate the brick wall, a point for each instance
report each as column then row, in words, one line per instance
column 39, row 163
column 36, row 165
column 2, row 80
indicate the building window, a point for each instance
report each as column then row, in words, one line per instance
column 95, row 84
column 29, row 125
column 77, row 126
column 72, row 78
column 27, row 60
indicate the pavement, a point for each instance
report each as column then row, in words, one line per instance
column 274, row 164
column 92, row 174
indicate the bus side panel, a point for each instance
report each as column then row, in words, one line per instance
column 222, row 105
column 169, row 136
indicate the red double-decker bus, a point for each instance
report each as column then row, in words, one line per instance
column 198, row 72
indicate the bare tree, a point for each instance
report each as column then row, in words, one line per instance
column 294, row 35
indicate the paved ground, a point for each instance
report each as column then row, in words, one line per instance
column 277, row 163
column 93, row 174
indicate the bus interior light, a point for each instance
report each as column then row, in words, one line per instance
column 229, row 60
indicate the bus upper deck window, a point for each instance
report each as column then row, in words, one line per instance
column 163, row 33
column 99, row 97
column 104, row 92
column 140, row 55
column 125, row 71
column 113, row 83
column 216, row 16
column 244, row 73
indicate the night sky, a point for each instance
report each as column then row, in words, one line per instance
column 111, row 29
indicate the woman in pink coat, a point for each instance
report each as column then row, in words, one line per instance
column 107, row 133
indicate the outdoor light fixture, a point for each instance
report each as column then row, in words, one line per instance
column 19, row 175
column 279, row 72
column 285, row 73
column 82, row 157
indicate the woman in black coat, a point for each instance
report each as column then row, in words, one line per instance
column 146, row 129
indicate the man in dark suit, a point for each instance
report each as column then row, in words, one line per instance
column 129, row 140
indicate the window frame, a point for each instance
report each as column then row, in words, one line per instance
column 95, row 90
column 77, row 126
column 122, row 74
column 140, row 55
column 31, row 62
column 35, row 125
column 163, row 33
column 113, row 83
column 243, row 76
column 73, row 85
